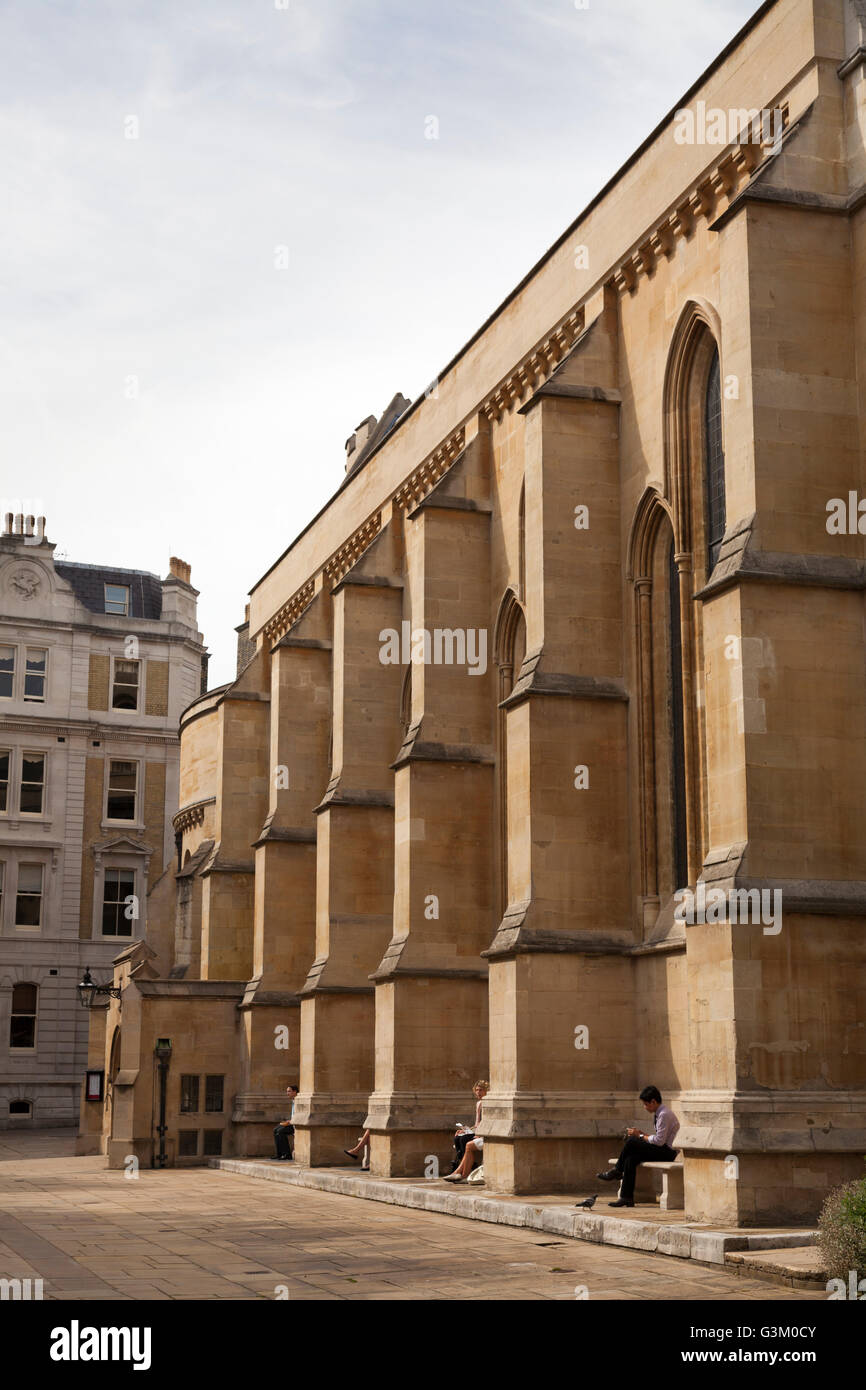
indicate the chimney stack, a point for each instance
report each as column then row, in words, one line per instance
column 179, row 568
column 29, row 526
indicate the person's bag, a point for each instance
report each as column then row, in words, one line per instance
column 477, row 1174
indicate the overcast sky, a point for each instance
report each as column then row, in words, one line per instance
column 194, row 320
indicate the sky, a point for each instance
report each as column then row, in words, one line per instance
column 227, row 237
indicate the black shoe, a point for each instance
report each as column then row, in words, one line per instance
column 349, row 1154
column 620, row 1203
column 609, row 1175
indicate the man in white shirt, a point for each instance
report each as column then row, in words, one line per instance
column 284, row 1133
column 644, row 1148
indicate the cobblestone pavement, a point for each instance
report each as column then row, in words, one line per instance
column 196, row 1233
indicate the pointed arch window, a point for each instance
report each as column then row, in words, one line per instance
column 509, row 646
column 679, row 821
column 715, row 463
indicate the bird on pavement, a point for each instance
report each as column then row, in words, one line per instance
column 590, row 1202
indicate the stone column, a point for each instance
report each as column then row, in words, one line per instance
column 241, row 798
column 776, row 1112
column 355, row 877
column 431, row 986
column 285, row 875
column 561, row 979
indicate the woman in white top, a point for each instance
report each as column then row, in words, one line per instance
column 476, row 1143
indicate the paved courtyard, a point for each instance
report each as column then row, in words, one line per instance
column 201, row 1234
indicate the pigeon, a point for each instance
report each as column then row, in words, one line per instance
column 589, row 1203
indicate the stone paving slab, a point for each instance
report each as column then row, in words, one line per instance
column 639, row 1228
column 243, row 1240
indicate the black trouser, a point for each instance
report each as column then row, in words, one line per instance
column 635, row 1151
column 460, row 1142
column 283, row 1138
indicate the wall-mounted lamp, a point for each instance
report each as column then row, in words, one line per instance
column 88, row 990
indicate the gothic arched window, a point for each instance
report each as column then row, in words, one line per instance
column 509, row 649
column 679, row 821
column 715, row 463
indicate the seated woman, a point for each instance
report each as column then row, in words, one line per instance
column 469, row 1140
column 362, row 1150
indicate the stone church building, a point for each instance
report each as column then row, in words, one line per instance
column 581, row 629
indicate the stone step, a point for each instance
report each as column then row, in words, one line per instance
column 799, row 1267
column 558, row 1217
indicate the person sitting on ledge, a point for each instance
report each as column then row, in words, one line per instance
column 285, row 1131
column 644, row 1148
column 474, row 1144
column 362, row 1150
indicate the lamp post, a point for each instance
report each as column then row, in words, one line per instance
column 88, row 990
column 162, row 1053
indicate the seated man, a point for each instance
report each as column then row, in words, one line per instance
column 284, row 1133
column 644, row 1148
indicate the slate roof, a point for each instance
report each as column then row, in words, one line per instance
column 88, row 582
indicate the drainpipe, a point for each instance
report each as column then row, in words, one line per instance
column 162, row 1052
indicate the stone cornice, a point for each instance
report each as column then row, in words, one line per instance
column 107, row 733
column 443, row 503
column 320, row 644
column 739, row 562
column 415, row 750
column 804, row 200
column 535, row 368
column 218, row 864
column 514, row 937
column 289, row 612
column 424, row 478
column 365, row 581
column 734, row 168
column 532, row 683
column 286, row 835
column 386, row 972
column 336, row 795
column 852, row 62
column 195, row 989
column 256, row 998
column 314, row 987
column 726, row 867
column 193, row 814
column 145, row 634
column 572, row 393
column 349, row 553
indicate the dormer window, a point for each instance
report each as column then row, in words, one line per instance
column 117, row 599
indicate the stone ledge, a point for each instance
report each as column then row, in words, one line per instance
column 675, row 1238
column 800, row 1266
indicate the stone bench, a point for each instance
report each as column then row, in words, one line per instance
column 659, row 1182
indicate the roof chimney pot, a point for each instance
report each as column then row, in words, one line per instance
column 179, row 568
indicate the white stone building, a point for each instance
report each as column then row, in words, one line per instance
column 96, row 665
